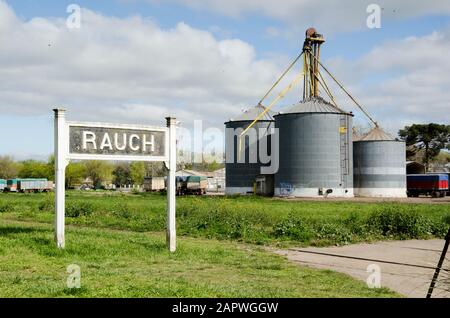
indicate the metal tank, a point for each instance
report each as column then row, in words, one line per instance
column 379, row 165
column 315, row 146
column 242, row 170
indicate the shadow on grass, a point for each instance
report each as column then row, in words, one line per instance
column 11, row 230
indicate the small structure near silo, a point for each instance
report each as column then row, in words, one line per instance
column 243, row 163
column 316, row 151
column 379, row 165
column 264, row 185
column 414, row 167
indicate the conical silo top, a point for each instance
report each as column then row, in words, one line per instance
column 253, row 113
column 314, row 105
column 377, row 134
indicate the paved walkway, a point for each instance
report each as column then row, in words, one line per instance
column 406, row 266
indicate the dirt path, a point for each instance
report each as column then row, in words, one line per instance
column 406, row 266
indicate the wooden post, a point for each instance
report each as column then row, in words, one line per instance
column 171, row 186
column 60, row 174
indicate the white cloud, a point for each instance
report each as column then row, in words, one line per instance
column 128, row 66
column 131, row 70
column 412, row 80
column 326, row 15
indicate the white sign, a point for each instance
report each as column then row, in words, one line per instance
column 100, row 141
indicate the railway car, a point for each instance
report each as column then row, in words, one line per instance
column 28, row 185
column 152, row 184
column 191, row 185
column 435, row 185
column 2, row 185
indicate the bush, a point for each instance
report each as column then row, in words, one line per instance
column 395, row 222
column 6, row 207
column 76, row 209
column 294, row 228
column 48, row 204
column 122, row 210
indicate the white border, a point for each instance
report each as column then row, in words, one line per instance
column 76, row 156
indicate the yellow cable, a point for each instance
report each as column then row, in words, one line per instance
column 280, row 78
column 348, row 94
column 280, row 96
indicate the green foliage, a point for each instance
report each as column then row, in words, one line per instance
column 430, row 137
column 395, row 222
column 6, row 207
column 74, row 174
column 48, row 203
column 293, row 227
column 98, row 172
column 249, row 219
column 8, row 168
column 122, row 174
column 137, row 172
column 36, row 169
column 80, row 208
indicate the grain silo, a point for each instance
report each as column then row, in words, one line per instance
column 379, row 165
column 242, row 170
column 315, row 150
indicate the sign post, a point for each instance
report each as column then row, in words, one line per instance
column 171, row 186
column 101, row 141
column 60, row 175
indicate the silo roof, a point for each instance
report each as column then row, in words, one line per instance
column 314, row 105
column 377, row 134
column 252, row 113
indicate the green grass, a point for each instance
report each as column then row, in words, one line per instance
column 129, row 264
column 245, row 219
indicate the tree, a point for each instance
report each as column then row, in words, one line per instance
column 155, row 169
column 98, row 172
column 430, row 138
column 121, row 174
column 8, row 168
column 137, row 172
column 36, row 169
column 74, row 173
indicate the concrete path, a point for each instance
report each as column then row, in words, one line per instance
column 406, row 266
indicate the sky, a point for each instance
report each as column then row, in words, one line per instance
column 138, row 61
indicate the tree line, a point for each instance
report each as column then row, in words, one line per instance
column 99, row 172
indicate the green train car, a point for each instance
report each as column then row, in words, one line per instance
column 28, row 185
column 2, row 184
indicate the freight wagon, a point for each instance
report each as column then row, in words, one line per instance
column 2, row 185
column 435, row 185
column 28, row 185
column 191, row 185
column 152, row 184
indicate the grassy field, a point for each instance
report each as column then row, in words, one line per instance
column 119, row 244
column 127, row 264
column 247, row 219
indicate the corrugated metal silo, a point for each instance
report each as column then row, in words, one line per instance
column 379, row 165
column 315, row 151
column 241, row 171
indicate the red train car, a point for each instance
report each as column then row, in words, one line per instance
column 427, row 184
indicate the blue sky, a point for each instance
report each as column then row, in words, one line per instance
column 346, row 49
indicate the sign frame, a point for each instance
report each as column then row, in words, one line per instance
column 144, row 158
column 63, row 157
